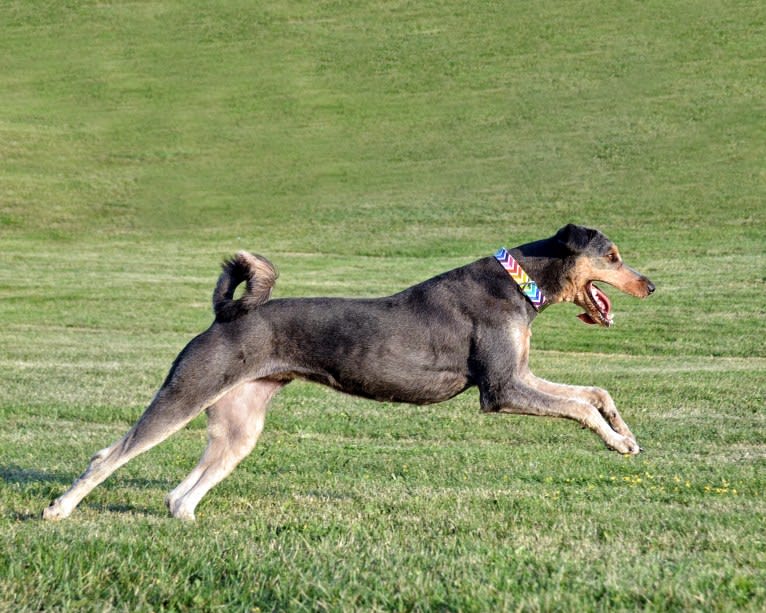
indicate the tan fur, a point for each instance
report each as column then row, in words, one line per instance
column 590, row 268
column 261, row 281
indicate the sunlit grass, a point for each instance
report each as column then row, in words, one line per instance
column 362, row 148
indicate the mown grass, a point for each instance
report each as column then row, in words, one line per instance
column 364, row 147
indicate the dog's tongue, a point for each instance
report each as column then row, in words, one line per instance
column 602, row 302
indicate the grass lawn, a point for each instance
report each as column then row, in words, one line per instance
column 363, row 147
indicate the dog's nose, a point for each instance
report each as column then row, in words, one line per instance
column 650, row 287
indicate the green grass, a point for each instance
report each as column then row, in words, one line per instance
column 364, row 147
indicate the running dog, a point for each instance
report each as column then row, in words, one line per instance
column 469, row 326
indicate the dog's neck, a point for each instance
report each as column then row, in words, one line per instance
column 543, row 261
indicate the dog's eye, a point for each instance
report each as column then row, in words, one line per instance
column 613, row 258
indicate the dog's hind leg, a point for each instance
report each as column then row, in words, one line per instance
column 163, row 417
column 234, row 424
column 150, row 430
column 196, row 381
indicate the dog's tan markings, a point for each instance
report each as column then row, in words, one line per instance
column 592, row 407
column 575, row 281
column 521, row 336
column 626, row 280
column 578, row 286
column 595, row 396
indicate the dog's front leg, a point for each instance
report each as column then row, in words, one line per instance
column 598, row 397
column 525, row 399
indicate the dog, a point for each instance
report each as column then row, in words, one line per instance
column 466, row 327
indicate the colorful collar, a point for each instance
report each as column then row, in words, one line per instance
column 526, row 285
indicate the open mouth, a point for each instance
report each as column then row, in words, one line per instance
column 598, row 307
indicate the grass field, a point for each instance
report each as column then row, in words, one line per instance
column 364, row 147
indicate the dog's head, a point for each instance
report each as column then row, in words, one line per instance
column 589, row 256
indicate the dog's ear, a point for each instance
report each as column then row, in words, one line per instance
column 576, row 238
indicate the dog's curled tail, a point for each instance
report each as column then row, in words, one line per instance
column 259, row 276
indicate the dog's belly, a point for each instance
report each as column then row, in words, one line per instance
column 423, row 387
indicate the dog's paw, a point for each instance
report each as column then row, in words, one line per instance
column 184, row 514
column 55, row 512
column 626, row 446
column 177, row 508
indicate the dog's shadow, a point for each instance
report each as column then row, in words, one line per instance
column 18, row 475
column 34, row 483
column 47, row 485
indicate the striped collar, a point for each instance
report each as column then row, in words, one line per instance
column 527, row 286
